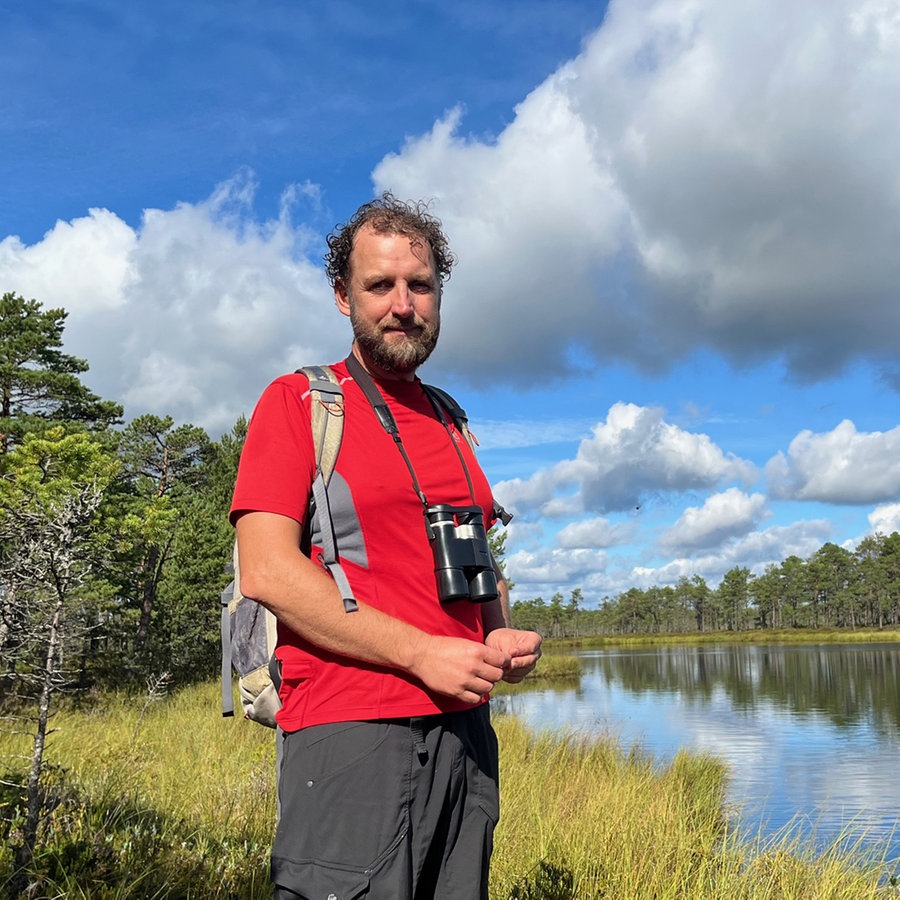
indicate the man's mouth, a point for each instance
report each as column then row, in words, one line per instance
column 408, row 331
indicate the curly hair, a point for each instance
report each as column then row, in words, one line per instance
column 388, row 215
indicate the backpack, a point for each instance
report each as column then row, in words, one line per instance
column 248, row 629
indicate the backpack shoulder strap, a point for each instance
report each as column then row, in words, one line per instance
column 326, row 415
column 327, row 418
column 461, row 421
column 454, row 410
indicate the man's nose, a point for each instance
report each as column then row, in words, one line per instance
column 403, row 300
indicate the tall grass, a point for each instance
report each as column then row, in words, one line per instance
column 172, row 801
column 169, row 801
column 583, row 818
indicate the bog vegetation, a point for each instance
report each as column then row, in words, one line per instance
column 158, row 798
column 113, row 539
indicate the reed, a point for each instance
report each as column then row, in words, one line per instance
column 169, row 801
column 584, row 818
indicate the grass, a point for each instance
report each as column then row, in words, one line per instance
column 584, row 818
column 172, row 802
column 556, row 667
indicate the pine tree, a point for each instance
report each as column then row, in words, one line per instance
column 39, row 384
column 161, row 464
column 188, row 624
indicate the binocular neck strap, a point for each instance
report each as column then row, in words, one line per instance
column 389, row 423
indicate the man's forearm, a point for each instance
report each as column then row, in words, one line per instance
column 304, row 597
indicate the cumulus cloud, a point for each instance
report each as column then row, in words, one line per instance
column 191, row 313
column 722, row 517
column 839, row 466
column 756, row 551
column 597, row 532
column 633, row 454
column 82, row 265
column 534, row 572
column 885, row 519
column 604, row 573
column 695, row 177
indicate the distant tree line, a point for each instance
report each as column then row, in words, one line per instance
column 834, row 588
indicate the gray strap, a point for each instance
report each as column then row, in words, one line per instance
column 329, row 543
column 458, row 414
column 327, row 418
column 227, row 692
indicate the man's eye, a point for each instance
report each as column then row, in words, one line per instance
column 421, row 287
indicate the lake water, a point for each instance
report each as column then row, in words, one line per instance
column 811, row 733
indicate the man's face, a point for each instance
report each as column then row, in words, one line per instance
column 393, row 300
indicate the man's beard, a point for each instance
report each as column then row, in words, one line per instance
column 400, row 355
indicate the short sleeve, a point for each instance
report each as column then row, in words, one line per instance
column 277, row 463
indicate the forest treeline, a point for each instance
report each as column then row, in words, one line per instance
column 833, row 588
column 114, row 539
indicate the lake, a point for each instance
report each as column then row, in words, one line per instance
column 810, row 732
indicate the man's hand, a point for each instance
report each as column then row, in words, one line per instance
column 458, row 667
column 522, row 649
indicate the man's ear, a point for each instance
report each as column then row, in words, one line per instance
column 342, row 296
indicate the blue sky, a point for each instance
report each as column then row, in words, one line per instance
column 674, row 321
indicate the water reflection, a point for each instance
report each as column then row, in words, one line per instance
column 811, row 732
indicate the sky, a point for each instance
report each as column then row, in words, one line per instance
column 675, row 318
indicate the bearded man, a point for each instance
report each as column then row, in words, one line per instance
column 388, row 772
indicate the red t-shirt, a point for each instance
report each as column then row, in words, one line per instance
column 392, row 567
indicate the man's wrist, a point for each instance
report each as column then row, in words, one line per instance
column 492, row 616
column 416, row 651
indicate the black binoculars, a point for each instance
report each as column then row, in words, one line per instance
column 463, row 565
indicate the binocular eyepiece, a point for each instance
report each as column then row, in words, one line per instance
column 462, row 558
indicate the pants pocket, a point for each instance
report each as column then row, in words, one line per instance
column 344, row 801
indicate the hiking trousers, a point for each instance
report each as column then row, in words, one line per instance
column 400, row 809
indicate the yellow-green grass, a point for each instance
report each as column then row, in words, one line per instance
column 171, row 801
column 552, row 666
column 161, row 800
column 583, row 818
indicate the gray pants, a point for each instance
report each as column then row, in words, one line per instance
column 400, row 809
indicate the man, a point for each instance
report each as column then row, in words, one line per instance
column 388, row 780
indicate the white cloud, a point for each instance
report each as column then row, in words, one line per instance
column 548, row 570
column 192, row 313
column 633, row 454
column 695, row 177
column 608, row 570
column 839, row 466
column 885, row 519
column 593, row 533
column 756, row 551
column 722, row 517
column 83, row 266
